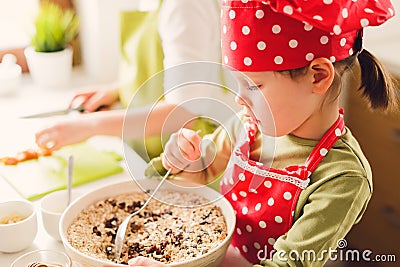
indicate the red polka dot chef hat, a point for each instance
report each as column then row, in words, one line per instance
column 287, row 34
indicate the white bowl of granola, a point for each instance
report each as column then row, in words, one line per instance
column 18, row 225
column 185, row 225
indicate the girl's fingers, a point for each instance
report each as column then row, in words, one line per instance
column 186, row 148
column 171, row 161
column 189, row 142
column 182, row 149
column 168, row 165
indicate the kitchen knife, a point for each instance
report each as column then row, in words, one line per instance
column 75, row 105
column 53, row 113
column 61, row 112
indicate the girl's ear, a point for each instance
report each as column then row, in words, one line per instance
column 323, row 73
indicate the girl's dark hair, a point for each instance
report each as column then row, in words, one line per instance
column 377, row 84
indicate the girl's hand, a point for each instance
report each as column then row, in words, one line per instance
column 182, row 149
column 233, row 258
column 92, row 100
column 66, row 132
column 143, row 261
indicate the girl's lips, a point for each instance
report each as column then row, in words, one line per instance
column 249, row 114
column 253, row 118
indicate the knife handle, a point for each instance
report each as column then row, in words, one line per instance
column 78, row 101
column 81, row 109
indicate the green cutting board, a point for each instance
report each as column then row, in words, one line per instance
column 35, row 178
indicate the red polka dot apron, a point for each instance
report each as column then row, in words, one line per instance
column 265, row 198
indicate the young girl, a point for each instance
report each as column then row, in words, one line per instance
column 295, row 54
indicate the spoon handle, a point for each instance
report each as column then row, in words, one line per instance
column 154, row 192
column 119, row 239
column 70, row 175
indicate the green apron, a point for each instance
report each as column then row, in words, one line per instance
column 142, row 58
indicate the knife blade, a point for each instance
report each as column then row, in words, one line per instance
column 53, row 113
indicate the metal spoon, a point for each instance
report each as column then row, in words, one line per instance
column 119, row 239
column 70, row 175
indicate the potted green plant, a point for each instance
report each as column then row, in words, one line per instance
column 50, row 55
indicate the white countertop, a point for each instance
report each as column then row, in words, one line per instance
column 43, row 240
column 18, row 134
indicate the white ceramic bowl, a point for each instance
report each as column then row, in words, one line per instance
column 43, row 256
column 212, row 258
column 20, row 235
column 52, row 206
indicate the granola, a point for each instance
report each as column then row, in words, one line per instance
column 14, row 218
column 164, row 232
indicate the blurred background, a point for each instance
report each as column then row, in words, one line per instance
column 96, row 52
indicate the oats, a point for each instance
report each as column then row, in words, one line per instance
column 165, row 232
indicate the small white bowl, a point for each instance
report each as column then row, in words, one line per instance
column 43, row 256
column 52, row 206
column 19, row 235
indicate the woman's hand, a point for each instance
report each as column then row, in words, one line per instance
column 182, row 149
column 65, row 132
column 93, row 100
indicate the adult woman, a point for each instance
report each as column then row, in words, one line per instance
column 160, row 35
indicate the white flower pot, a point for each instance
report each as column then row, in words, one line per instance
column 50, row 69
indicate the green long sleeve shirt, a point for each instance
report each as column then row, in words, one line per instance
column 336, row 198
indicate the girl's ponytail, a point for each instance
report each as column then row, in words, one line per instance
column 377, row 85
